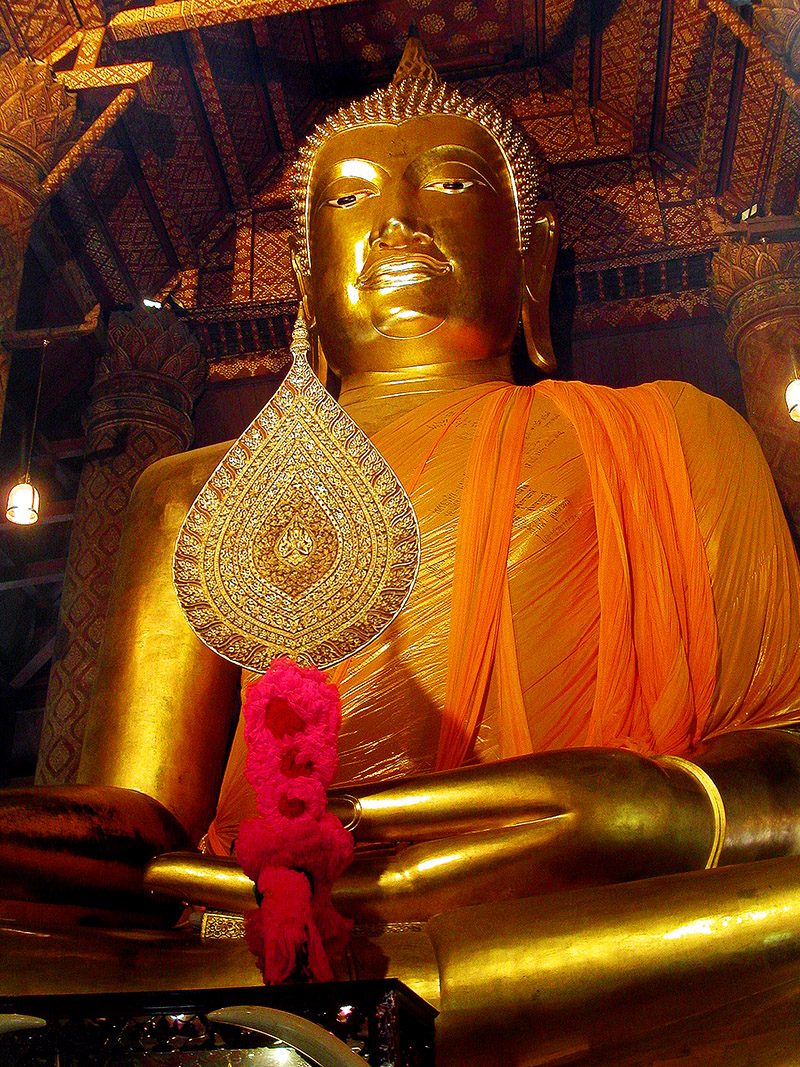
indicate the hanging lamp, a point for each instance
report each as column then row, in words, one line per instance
column 23, row 500
column 793, row 399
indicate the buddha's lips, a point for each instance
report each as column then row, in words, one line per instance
column 398, row 270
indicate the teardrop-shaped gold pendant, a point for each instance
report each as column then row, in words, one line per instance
column 302, row 543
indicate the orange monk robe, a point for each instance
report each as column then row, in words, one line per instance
column 599, row 567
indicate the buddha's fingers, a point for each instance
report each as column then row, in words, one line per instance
column 461, row 801
column 412, row 883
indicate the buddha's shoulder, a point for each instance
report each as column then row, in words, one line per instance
column 712, row 434
column 177, row 479
column 705, row 421
column 699, row 416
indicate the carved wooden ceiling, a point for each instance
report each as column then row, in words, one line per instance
column 658, row 121
column 651, row 115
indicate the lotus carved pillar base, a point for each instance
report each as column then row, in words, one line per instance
column 757, row 286
column 140, row 412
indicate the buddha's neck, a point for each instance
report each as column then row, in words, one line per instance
column 374, row 398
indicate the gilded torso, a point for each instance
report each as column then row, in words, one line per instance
column 392, row 692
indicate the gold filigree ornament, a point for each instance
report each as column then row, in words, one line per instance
column 302, row 543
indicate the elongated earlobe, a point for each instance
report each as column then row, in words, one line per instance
column 303, row 284
column 538, row 266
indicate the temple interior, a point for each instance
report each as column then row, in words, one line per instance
column 147, row 297
column 658, row 128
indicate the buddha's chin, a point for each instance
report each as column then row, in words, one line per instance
column 404, row 322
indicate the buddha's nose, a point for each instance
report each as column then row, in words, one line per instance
column 396, row 232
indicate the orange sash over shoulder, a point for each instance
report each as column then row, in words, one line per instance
column 657, row 658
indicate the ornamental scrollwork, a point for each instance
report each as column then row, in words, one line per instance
column 777, row 23
column 738, row 266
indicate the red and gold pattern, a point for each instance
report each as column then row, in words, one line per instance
column 234, row 86
column 691, row 55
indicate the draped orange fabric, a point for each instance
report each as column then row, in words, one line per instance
column 479, row 570
column 658, row 632
column 599, row 567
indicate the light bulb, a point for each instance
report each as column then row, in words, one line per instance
column 793, row 399
column 23, row 504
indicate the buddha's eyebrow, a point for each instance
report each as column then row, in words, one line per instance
column 349, row 168
column 422, row 166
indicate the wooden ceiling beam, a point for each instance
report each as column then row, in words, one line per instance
column 772, row 152
column 18, row 339
column 517, row 25
column 732, row 123
column 88, row 141
column 40, row 30
column 162, row 193
column 69, row 300
column 216, row 119
column 256, row 67
column 89, row 48
column 105, row 235
column 277, row 98
column 121, row 75
column 72, row 44
column 45, row 572
column 201, row 120
column 53, row 250
column 753, row 43
column 582, row 55
column 596, row 27
column 650, row 107
column 726, row 72
column 146, row 195
column 39, row 659
column 533, row 14
column 193, row 14
column 77, row 242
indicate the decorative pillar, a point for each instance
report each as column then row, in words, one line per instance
column 777, row 23
column 140, row 411
column 757, row 287
column 36, row 114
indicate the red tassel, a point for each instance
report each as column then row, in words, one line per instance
column 292, row 719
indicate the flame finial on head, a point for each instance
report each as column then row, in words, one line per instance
column 414, row 62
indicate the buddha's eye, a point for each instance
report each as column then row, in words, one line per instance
column 452, row 185
column 348, row 199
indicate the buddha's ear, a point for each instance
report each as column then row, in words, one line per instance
column 537, row 275
column 302, row 282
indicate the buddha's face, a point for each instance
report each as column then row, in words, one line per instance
column 414, row 246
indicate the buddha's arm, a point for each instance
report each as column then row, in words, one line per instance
column 157, row 726
column 600, row 791
column 162, row 703
column 541, row 823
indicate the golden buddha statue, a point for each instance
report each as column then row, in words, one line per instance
column 596, row 659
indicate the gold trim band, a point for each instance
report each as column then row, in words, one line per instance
column 221, row 926
column 715, row 799
column 355, row 819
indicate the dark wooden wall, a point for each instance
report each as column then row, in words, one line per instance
column 692, row 351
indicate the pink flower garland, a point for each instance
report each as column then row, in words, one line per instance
column 294, row 850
